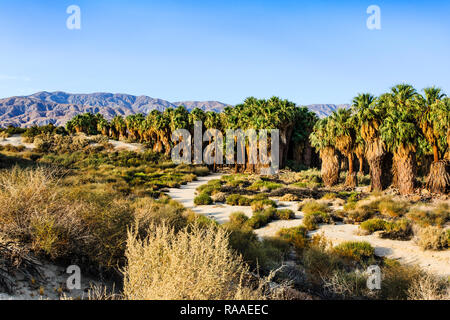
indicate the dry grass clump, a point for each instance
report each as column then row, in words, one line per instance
column 393, row 209
column 432, row 238
column 290, row 197
column 312, row 206
column 34, row 211
column 193, row 264
column 435, row 217
column 429, row 287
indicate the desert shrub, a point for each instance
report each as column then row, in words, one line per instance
column 148, row 211
column 432, row 238
column 262, row 218
column 259, row 205
column 354, row 250
column 311, row 220
column 203, row 199
column 402, row 282
column 313, row 206
column 219, row 197
column 201, row 171
column 429, row 287
column 360, row 214
column 264, row 185
column 342, row 284
column 260, row 196
column 238, row 219
column 193, row 264
column 392, row 208
column 238, row 200
column 329, row 196
column 373, row 225
column 437, row 217
column 11, row 148
column 210, row 187
column 297, row 237
column 285, row 214
column 398, row 230
column 289, row 197
column 35, row 212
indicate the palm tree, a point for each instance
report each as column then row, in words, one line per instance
column 119, row 128
column 103, row 126
column 342, row 128
column 369, row 112
column 433, row 118
column 324, row 141
column 400, row 134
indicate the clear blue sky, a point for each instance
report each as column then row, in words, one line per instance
column 305, row 51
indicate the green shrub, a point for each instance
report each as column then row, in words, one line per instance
column 311, row 220
column 203, row 199
column 354, row 250
column 313, row 206
column 238, row 219
column 329, row 196
column 297, row 237
column 398, row 230
column 373, row 225
column 259, row 205
column 262, row 218
column 425, row 218
column 264, row 185
column 285, row 214
column 393, row 209
column 238, row 200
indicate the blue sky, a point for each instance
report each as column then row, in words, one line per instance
column 305, row 51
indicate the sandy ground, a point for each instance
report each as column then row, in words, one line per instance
column 16, row 140
column 437, row 262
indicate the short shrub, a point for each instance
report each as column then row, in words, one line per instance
column 354, row 250
column 264, row 185
column 425, row 218
column 373, row 225
column 313, row 206
column 297, row 236
column 238, row 200
column 203, row 199
column 393, row 209
column 398, row 230
column 260, row 205
column 262, row 218
column 238, row 219
column 285, row 214
column 311, row 220
column 329, row 196
column 433, row 238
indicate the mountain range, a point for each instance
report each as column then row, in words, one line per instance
column 59, row 107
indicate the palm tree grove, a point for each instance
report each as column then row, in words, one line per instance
column 219, row 159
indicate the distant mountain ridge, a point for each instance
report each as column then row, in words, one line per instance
column 59, row 107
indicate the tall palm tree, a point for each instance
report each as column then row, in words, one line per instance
column 370, row 112
column 119, row 128
column 400, row 134
column 324, row 141
column 433, row 118
column 342, row 128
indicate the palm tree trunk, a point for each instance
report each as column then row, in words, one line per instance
column 438, row 181
column 351, row 180
column 330, row 166
column 376, row 156
column 405, row 165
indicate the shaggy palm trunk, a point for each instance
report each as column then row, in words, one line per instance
column 438, row 181
column 376, row 156
column 351, row 180
column 405, row 165
column 361, row 165
column 330, row 166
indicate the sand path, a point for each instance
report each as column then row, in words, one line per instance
column 407, row 252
